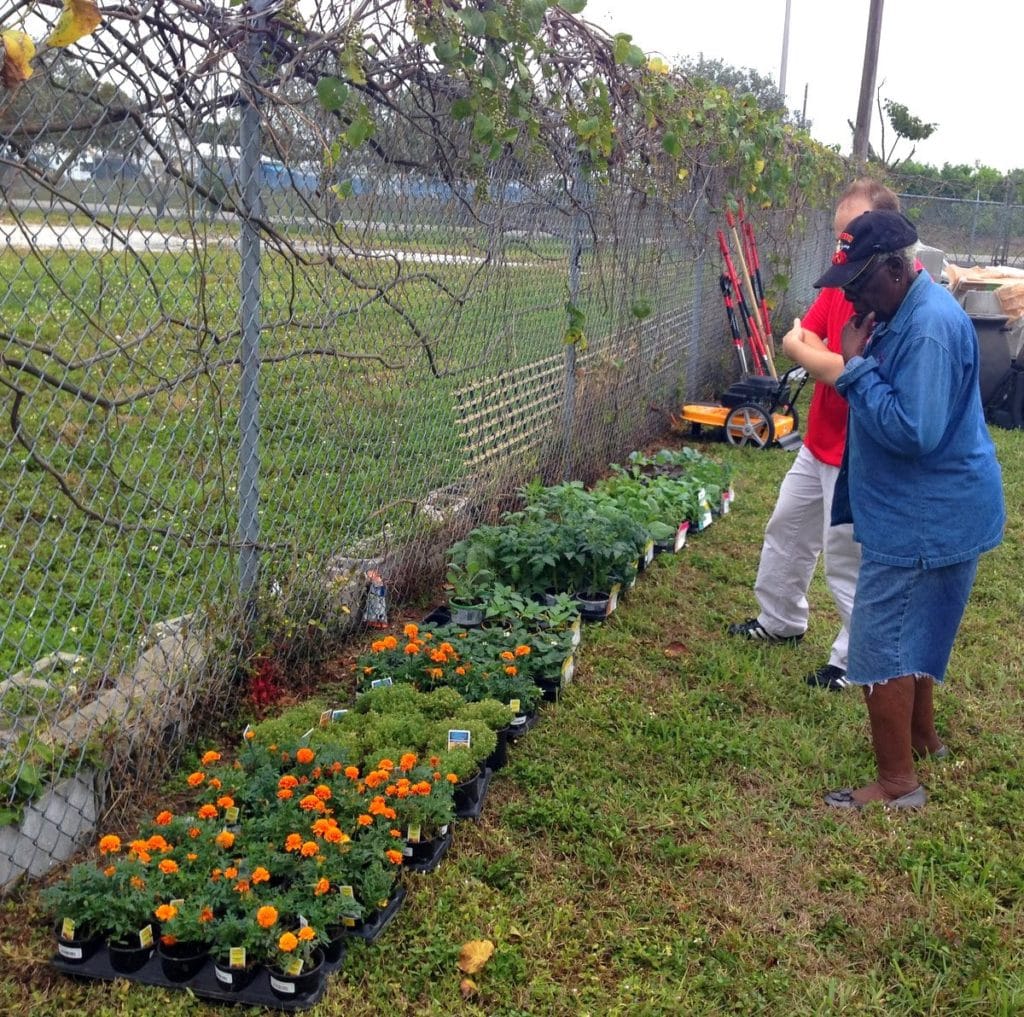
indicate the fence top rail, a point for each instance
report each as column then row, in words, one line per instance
column 960, row 201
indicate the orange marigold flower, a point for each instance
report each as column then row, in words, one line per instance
column 395, row 833
column 210, row 757
column 451, row 778
column 422, row 788
column 438, row 656
column 411, row 648
column 309, row 848
column 288, row 780
column 194, row 831
column 435, row 672
column 364, row 820
column 207, row 811
column 168, row 866
column 110, row 844
column 352, row 772
column 305, row 755
column 390, row 642
column 395, row 857
column 323, row 792
column 165, row 912
column 285, row 793
column 511, row 670
column 231, row 872
column 163, row 818
column 411, row 631
column 206, row 915
column 507, row 655
column 377, row 805
column 386, row 764
column 242, row 886
column 322, row 886
column 435, row 761
column 225, row 839
column 335, row 836
column 311, row 804
column 408, row 761
column 110, row 870
column 293, row 842
column 191, row 856
column 195, row 779
column 260, row 875
column 143, row 856
column 138, row 882
column 249, row 735
column 157, row 843
column 368, row 670
column 306, row 933
column 215, row 783
column 446, row 648
column 226, row 802
column 427, row 635
column 168, row 940
column 287, row 942
column 266, row 916
column 216, row 874
column 335, row 767
column 523, row 650
column 436, row 775
column 389, row 813
column 460, row 670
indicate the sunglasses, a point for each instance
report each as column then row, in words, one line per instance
column 857, row 285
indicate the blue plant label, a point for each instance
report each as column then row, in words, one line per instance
column 381, row 683
column 684, row 529
column 459, row 739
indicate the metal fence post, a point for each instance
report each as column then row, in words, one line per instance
column 691, row 356
column 249, row 281
column 575, row 276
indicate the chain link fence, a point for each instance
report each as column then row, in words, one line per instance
column 242, row 366
column 969, row 232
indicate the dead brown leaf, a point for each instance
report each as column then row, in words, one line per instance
column 474, row 955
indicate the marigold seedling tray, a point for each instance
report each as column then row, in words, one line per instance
column 370, row 931
column 473, row 803
column 204, row 984
column 430, row 863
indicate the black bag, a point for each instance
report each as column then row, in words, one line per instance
column 1005, row 406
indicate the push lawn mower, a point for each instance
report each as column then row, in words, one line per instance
column 754, row 411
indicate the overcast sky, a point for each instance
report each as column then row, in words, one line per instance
column 951, row 62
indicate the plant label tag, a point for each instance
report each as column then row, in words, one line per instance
column 347, row 891
column 67, row 928
column 725, row 503
column 304, row 740
column 331, row 716
column 706, row 518
column 231, row 814
column 513, row 704
column 684, row 529
column 381, row 683
column 177, row 902
column 613, row 598
column 279, row 986
column 568, row 669
column 459, row 739
column 73, row 953
column 247, row 733
column 648, row 552
column 577, row 630
column 146, row 936
column 293, row 967
column 236, row 957
column 303, row 921
column 412, row 834
column 731, row 492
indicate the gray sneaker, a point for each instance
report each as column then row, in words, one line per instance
column 752, row 629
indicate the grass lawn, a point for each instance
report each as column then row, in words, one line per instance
column 658, row 845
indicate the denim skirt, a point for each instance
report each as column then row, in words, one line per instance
column 905, row 620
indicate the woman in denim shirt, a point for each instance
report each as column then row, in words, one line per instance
column 919, row 481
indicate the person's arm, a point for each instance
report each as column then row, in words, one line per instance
column 808, row 349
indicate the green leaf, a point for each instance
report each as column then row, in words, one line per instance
column 343, row 190
column 461, row 109
column 670, row 143
column 573, row 6
column 446, row 51
column 332, row 93
column 483, row 128
column 475, row 22
column 640, row 308
column 623, row 44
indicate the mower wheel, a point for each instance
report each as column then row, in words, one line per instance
column 749, row 424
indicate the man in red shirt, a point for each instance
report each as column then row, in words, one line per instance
column 799, row 529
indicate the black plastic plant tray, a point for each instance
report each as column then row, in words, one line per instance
column 474, row 804
column 434, row 860
column 204, row 984
column 371, row 931
column 532, row 720
column 439, row 616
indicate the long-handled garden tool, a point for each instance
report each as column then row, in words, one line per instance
column 754, row 260
column 734, row 326
column 767, row 340
column 762, row 359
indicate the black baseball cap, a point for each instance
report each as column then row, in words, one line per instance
column 877, row 232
